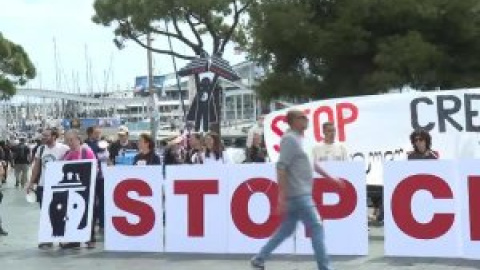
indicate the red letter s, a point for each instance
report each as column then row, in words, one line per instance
column 138, row 208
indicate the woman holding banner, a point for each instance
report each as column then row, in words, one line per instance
column 195, row 141
column 422, row 143
column 256, row 153
column 146, row 155
column 213, row 153
column 78, row 151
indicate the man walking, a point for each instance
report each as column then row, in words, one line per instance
column 2, row 231
column 6, row 158
column 49, row 152
column 21, row 161
column 295, row 201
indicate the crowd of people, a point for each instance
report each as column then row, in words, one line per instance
column 293, row 168
column 189, row 148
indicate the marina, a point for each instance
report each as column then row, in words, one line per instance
column 34, row 109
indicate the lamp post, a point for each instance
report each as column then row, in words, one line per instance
column 153, row 106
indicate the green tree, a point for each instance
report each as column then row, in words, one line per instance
column 215, row 21
column 15, row 67
column 325, row 48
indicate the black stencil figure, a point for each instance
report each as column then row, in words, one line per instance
column 76, row 178
column 205, row 107
column 204, row 112
column 58, row 213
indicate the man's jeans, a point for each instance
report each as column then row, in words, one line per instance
column 21, row 174
column 303, row 209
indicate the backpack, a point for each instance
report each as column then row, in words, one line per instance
column 41, row 149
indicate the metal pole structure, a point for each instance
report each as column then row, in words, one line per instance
column 153, row 105
column 182, row 103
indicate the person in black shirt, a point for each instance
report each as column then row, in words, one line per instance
column 422, row 143
column 7, row 159
column 94, row 134
column 119, row 147
column 21, row 158
column 256, row 153
column 146, row 155
column 2, row 231
column 93, row 137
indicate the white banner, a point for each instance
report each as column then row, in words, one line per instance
column 344, row 211
column 68, row 197
column 377, row 128
column 431, row 209
column 252, row 215
column 422, row 209
column 231, row 209
column 133, row 208
column 196, row 208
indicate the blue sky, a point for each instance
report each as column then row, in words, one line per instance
column 35, row 24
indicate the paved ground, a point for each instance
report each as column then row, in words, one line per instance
column 18, row 251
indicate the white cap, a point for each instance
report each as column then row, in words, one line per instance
column 122, row 130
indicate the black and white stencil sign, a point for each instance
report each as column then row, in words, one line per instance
column 68, row 199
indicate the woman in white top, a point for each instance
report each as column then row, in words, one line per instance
column 213, row 151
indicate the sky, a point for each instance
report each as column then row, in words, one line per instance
column 40, row 26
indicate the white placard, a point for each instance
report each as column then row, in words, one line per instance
column 191, row 226
column 133, row 208
column 345, row 220
column 67, row 208
column 409, row 233
column 253, row 194
column 469, row 186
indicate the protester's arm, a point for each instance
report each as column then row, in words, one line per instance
column 34, row 175
column 314, row 154
column 325, row 174
column 282, row 186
